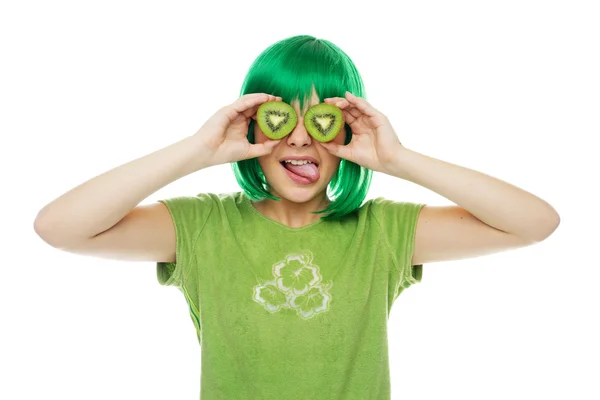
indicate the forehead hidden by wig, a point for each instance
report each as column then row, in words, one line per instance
column 291, row 68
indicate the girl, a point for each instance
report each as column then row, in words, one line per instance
column 291, row 280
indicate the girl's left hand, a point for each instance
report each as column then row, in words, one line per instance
column 374, row 143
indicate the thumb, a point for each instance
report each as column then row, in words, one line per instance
column 336, row 149
column 257, row 150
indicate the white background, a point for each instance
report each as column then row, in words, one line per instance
column 507, row 88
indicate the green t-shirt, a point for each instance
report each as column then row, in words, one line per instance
column 291, row 313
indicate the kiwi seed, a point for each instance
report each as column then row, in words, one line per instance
column 276, row 119
column 323, row 121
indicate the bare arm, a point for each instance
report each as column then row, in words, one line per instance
column 101, row 202
column 101, row 217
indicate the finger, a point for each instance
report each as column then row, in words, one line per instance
column 250, row 100
column 339, row 102
column 251, row 112
column 247, row 105
column 345, row 105
column 342, row 103
column 332, row 100
column 362, row 105
column 355, row 112
column 349, row 118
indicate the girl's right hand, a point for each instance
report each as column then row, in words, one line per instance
column 223, row 136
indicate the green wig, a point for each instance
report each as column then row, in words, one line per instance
column 291, row 68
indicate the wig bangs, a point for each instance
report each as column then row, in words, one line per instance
column 292, row 68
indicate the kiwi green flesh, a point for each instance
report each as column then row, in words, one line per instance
column 323, row 122
column 276, row 119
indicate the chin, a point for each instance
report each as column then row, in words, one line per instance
column 298, row 194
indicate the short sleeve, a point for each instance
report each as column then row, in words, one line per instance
column 398, row 222
column 189, row 215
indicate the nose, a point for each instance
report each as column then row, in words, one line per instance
column 299, row 137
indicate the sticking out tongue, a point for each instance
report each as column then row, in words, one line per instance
column 309, row 171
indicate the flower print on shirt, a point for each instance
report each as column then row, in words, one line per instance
column 296, row 285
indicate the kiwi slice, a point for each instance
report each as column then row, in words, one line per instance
column 276, row 119
column 323, row 121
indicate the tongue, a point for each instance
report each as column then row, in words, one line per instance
column 309, row 171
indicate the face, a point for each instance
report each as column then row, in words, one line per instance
column 299, row 143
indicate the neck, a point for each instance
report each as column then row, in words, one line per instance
column 291, row 213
